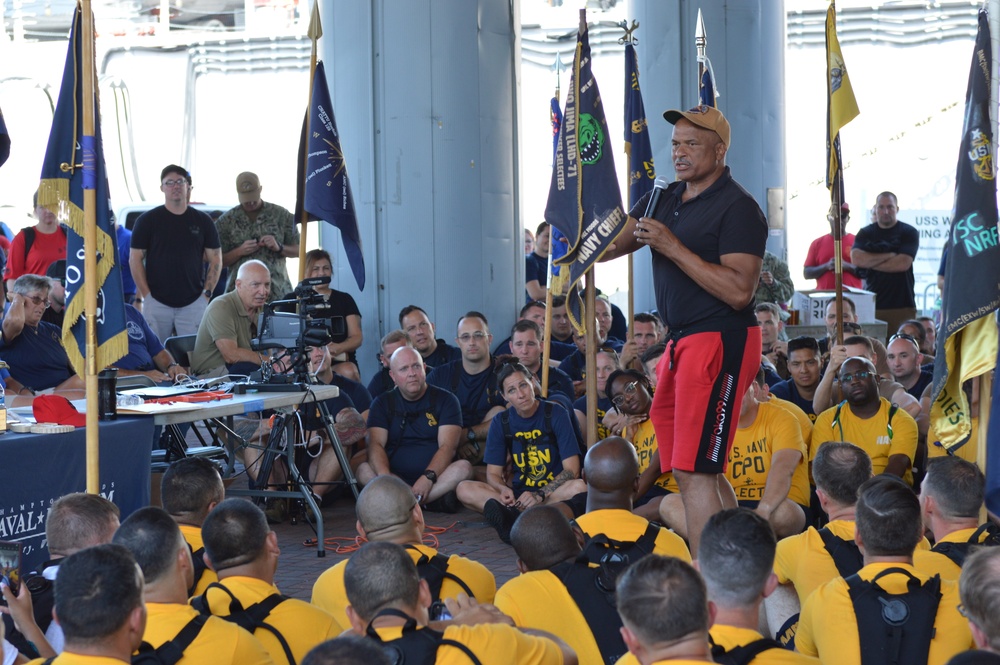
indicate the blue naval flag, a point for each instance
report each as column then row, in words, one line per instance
column 74, row 163
column 641, row 173
column 967, row 344
column 327, row 188
column 585, row 202
column 706, row 87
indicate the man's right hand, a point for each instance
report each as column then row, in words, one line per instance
column 466, row 611
column 248, row 247
column 838, row 355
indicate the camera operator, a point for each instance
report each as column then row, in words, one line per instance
column 229, row 325
column 340, row 309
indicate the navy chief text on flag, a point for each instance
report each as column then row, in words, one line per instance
column 585, row 202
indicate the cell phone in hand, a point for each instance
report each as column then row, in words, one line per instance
column 10, row 564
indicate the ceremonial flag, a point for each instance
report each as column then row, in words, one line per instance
column 327, row 193
column 74, row 163
column 555, row 115
column 4, row 140
column 967, row 343
column 637, row 147
column 841, row 105
column 585, row 202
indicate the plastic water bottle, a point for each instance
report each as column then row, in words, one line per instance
column 3, row 410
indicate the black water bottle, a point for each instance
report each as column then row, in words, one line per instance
column 107, row 395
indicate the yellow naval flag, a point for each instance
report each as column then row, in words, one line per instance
column 841, row 106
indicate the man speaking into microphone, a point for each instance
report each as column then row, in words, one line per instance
column 707, row 237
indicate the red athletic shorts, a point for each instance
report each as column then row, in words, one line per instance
column 700, row 383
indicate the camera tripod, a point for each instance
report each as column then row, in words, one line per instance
column 284, row 431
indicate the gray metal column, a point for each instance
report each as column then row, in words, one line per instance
column 424, row 94
column 746, row 44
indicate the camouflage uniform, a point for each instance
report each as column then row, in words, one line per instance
column 235, row 228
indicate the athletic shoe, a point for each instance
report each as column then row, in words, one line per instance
column 448, row 503
column 501, row 518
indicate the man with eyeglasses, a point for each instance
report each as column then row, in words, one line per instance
column 886, row 432
column 171, row 245
column 32, row 347
column 473, row 382
column 418, row 327
column 903, row 355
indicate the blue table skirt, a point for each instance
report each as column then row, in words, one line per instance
column 37, row 469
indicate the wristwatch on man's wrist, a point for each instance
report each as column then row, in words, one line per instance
column 207, row 294
column 431, row 475
column 471, row 436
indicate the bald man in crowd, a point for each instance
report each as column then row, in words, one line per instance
column 388, row 512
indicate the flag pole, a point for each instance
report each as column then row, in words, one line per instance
column 547, row 333
column 90, row 242
column 315, row 32
column 628, row 38
column 589, row 320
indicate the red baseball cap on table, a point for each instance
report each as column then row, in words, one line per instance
column 57, row 409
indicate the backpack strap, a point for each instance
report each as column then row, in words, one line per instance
column 845, row 553
column 895, row 628
column 743, row 654
column 171, row 651
column 508, row 435
column 250, row 618
column 198, row 559
column 958, row 552
column 416, row 646
column 29, row 240
column 435, row 570
column 587, row 587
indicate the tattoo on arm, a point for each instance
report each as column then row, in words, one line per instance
column 564, row 476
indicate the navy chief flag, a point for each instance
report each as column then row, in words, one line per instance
column 74, row 163
column 327, row 189
column 641, row 173
column 967, row 343
column 585, row 202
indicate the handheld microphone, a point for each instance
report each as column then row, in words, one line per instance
column 659, row 186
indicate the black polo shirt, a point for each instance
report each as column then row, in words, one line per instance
column 724, row 219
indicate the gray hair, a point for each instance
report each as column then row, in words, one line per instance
column 241, row 273
column 25, row 284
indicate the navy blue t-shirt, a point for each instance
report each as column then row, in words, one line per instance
column 312, row 416
column 535, row 267
column 360, row 397
column 36, row 357
column 477, row 393
column 559, row 382
column 442, row 355
column 380, row 383
column 413, row 431
column 925, row 378
column 788, row 391
column 143, row 344
column 537, row 453
column 603, row 406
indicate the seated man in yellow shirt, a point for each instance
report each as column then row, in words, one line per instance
column 767, row 465
column 387, row 511
column 244, row 552
column 611, row 471
column 99, row 606
column 665, row 612
column 889, row 611
column 546, row 594
column 190, row 488
column 163, row 555
column 348, row 649
column 389, row 603
column 951, row 496
column 886, row 433
column 810, row 559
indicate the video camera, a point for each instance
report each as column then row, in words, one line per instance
column 306, row 325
